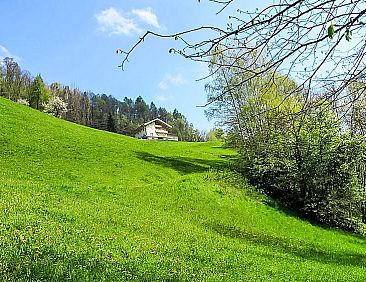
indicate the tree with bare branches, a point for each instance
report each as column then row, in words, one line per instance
column 317, row 43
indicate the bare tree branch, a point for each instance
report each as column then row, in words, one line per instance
column 316, row 43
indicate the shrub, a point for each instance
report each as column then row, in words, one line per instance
column 314, row 169
column 23, row 102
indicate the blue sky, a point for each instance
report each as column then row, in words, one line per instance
column 74, row 43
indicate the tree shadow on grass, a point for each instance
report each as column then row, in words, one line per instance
column 357, row 238
column 297, row 248
column 183, row 165
column 47, row 264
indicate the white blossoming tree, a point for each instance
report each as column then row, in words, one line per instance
column 55, row 106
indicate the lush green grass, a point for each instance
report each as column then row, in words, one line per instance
column 80, row 204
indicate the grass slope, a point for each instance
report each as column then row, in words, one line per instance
column 79, row 204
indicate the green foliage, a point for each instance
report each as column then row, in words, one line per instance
column 88, row 205
column 14, row 83
column 331, row 31
column 348, row 34
column 299, row 153
column 1, row 80
column 38, row 93
column 216, row 135
column 181, row 128
column 314, row 171
column 111, row 124
column 356, row 113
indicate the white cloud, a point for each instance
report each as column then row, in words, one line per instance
column 170, row 80
column 6, row 53
column 3, row 50
column 163, row 85
column 147, row 16
column 113, row 22
column 176, row 80
column 161, row 98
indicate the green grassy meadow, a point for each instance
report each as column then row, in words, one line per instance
column 78, row 204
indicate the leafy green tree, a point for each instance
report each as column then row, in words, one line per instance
column 25, row 85
column 294, row 151
column 217, row 134
column 127, row 108
column 98, row 113
column 111, row 123
column 153, row 111
column 38, row 94
column 14, row 83
column 163, row 114
column 141, row 110
column 354, row 108
column 1, row 80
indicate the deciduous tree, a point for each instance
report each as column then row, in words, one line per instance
column 38, row 93
column 316, row 43
column 55, row 106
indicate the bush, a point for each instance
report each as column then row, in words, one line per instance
column 24, row 102
column 314, row 169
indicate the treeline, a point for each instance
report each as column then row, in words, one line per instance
column 305, row 148
column 99, row 111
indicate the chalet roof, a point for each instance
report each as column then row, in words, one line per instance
column 158, row 121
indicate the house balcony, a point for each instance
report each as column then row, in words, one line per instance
column 172, row 138
column 162, row 137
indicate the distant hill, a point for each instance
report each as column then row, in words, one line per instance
column 100, row 111
column 79, row 204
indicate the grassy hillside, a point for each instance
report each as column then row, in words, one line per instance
column 79, row 204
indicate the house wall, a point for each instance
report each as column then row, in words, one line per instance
column 150, row 130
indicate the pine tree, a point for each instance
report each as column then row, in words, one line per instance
column 111, row 123
column 153, row 111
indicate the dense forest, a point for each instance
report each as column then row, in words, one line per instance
column 99, row 111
